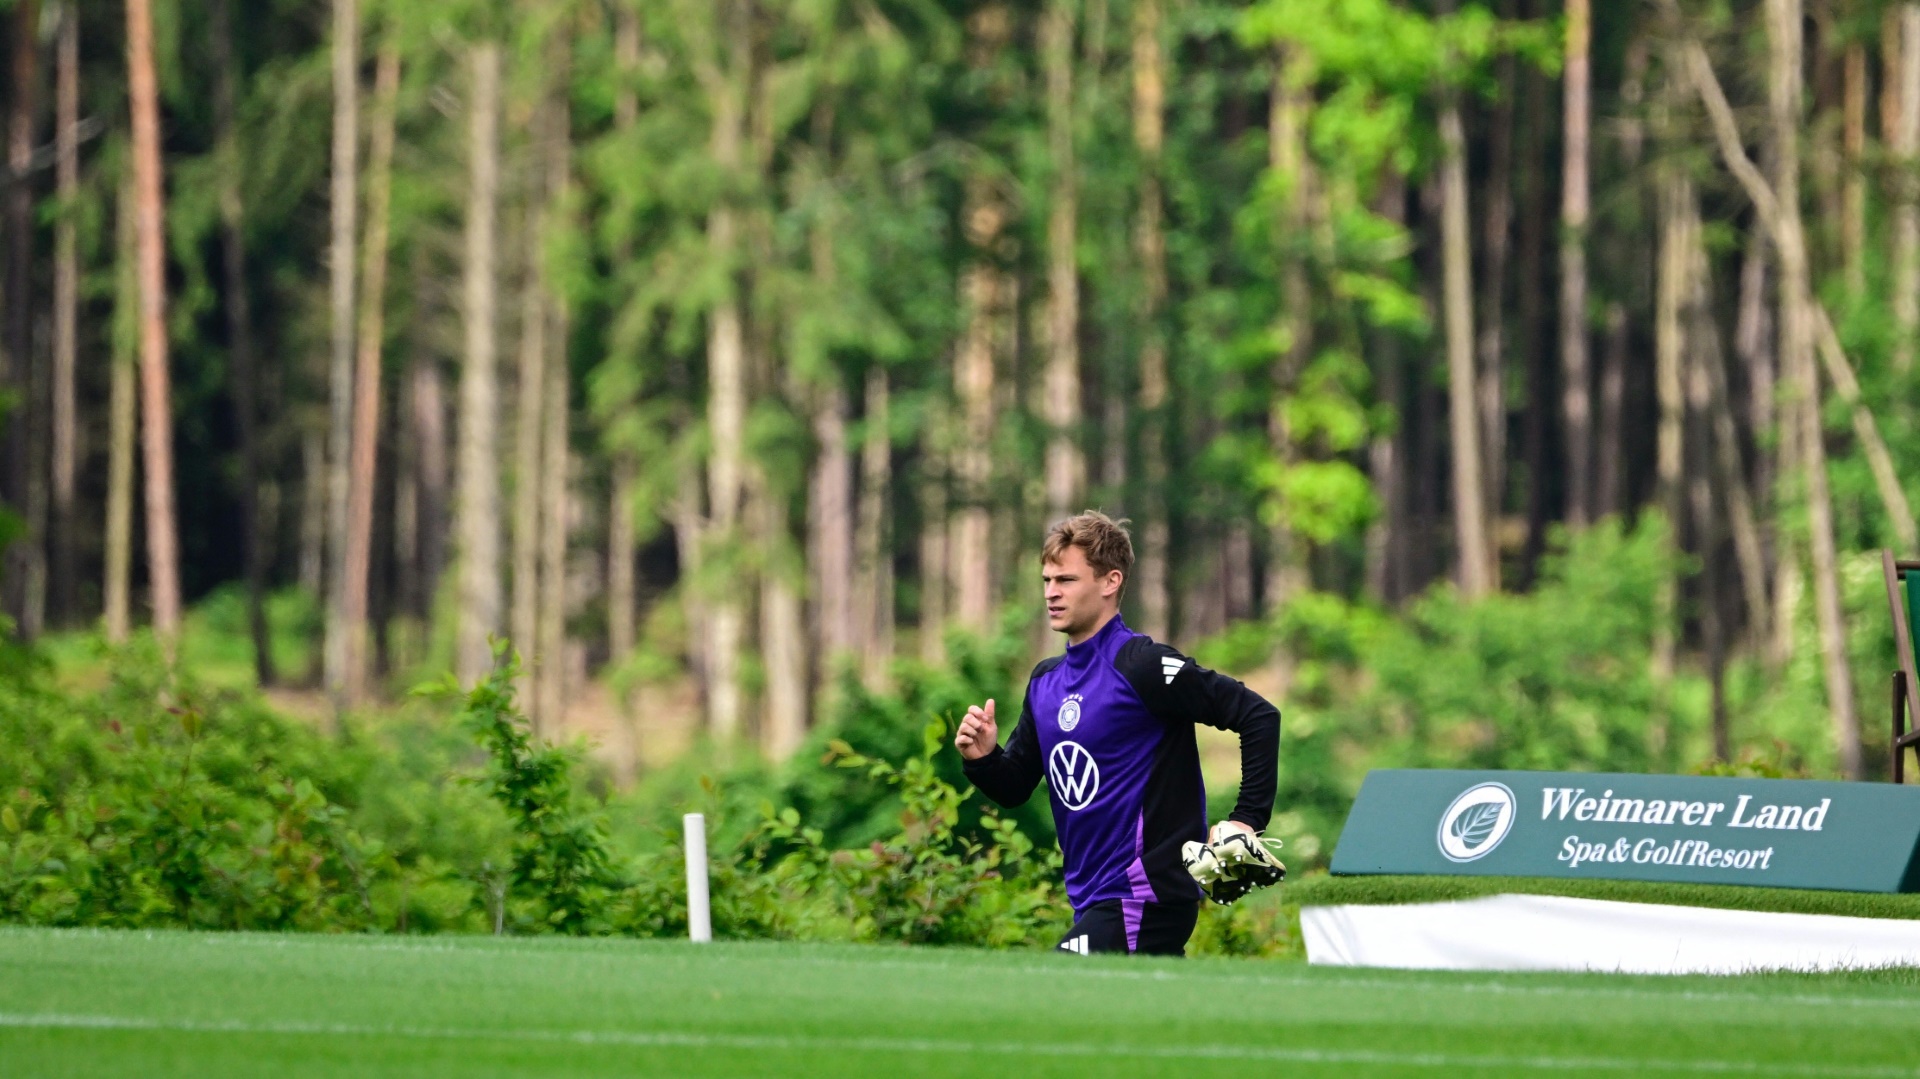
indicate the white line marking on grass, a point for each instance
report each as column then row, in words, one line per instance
column 943, row 1047
column 481, row 947
column 1519, row 989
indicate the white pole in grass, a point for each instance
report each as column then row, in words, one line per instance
column 699, row 910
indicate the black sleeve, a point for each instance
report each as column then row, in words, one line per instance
column 1009, row 773
column 1177, row 689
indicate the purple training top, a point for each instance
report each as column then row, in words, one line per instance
column 1110, row 727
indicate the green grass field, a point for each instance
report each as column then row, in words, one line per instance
column 163, row 1004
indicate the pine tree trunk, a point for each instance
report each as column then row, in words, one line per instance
column 831, row 514
column 1150, row 244
column 727, row 380
column 1066, row 466
column 986, row 296
column 1573, row 265
column 1906, row 213
column 1469, row 497
column 689, row 540
column 529, row 412
column 163, row 556
column 240, row 343
column 1706, row 523
column 873, row 588
column 66, row 305
column 1796, row 350
column 363, row 440
column 21, row 558
column 345, row 224
column 428, row 411
column 622, row 601
column 782, row 622
column 120, row 420
column 556, row 444
column 935, row 539
column 313, row 513
column 1287, row 120
column 1672, row 291
column 362, row 461
column 1496, row 223
column 1609, row 481
column 1724, row 455
column 1853, row 186
column 479, row 505
column 1386, row 543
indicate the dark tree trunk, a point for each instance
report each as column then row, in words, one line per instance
column 16, row 338
column 240, row 345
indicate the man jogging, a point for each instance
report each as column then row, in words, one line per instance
column 1110, row 726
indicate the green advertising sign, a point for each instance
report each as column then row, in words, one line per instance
column 1781, row 833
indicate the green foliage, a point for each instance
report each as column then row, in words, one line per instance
column 155, row 803
column 929, row 883
column 561, row 872
column 205, row 812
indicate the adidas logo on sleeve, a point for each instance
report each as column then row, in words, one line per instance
column 1170, row 666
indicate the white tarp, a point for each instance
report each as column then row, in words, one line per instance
column 1545, row 932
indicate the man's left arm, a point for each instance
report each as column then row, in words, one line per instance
column 1176, row 688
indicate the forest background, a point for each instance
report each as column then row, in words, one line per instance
column 1494, row 385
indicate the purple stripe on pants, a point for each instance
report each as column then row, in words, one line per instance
column 1137, row 869
column 1130, row 911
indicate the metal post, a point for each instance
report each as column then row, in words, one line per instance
column 699, row 909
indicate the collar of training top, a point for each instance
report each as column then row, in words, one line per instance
column 1079, row 655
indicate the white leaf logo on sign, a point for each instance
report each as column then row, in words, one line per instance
column 1074, row 775
column 1477, row 821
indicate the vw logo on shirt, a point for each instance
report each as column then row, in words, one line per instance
column 1073, row 774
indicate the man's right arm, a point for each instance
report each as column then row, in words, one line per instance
column 1009, row 773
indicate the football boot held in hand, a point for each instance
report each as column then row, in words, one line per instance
column 1235, row 865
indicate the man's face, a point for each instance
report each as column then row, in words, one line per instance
column 1076, row 596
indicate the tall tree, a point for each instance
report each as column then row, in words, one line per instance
column 1904, row 42
column 1066, row 466
column 345, row 194
column 1784, row 20
column 118, row 586
column 1674, row 289
column 22, row 565
column 66, row 320
column 727, row 72
column 1287, row 120
column 1496, row 222
column 478, row 511
column 830, row 504
column 1853, row 184
column 621, row 544
column 237, row 292
column 873, row 560
column 530, row 411
column 1150, row 245
column 1476, row 565
column 366, row 378
column 556, row 448
column 156, row 398
column 1573, row 262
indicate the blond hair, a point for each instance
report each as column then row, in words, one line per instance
column 1105, row 542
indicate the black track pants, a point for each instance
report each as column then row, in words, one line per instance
column 1132, row 926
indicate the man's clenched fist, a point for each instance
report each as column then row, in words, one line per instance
column 978, row 734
